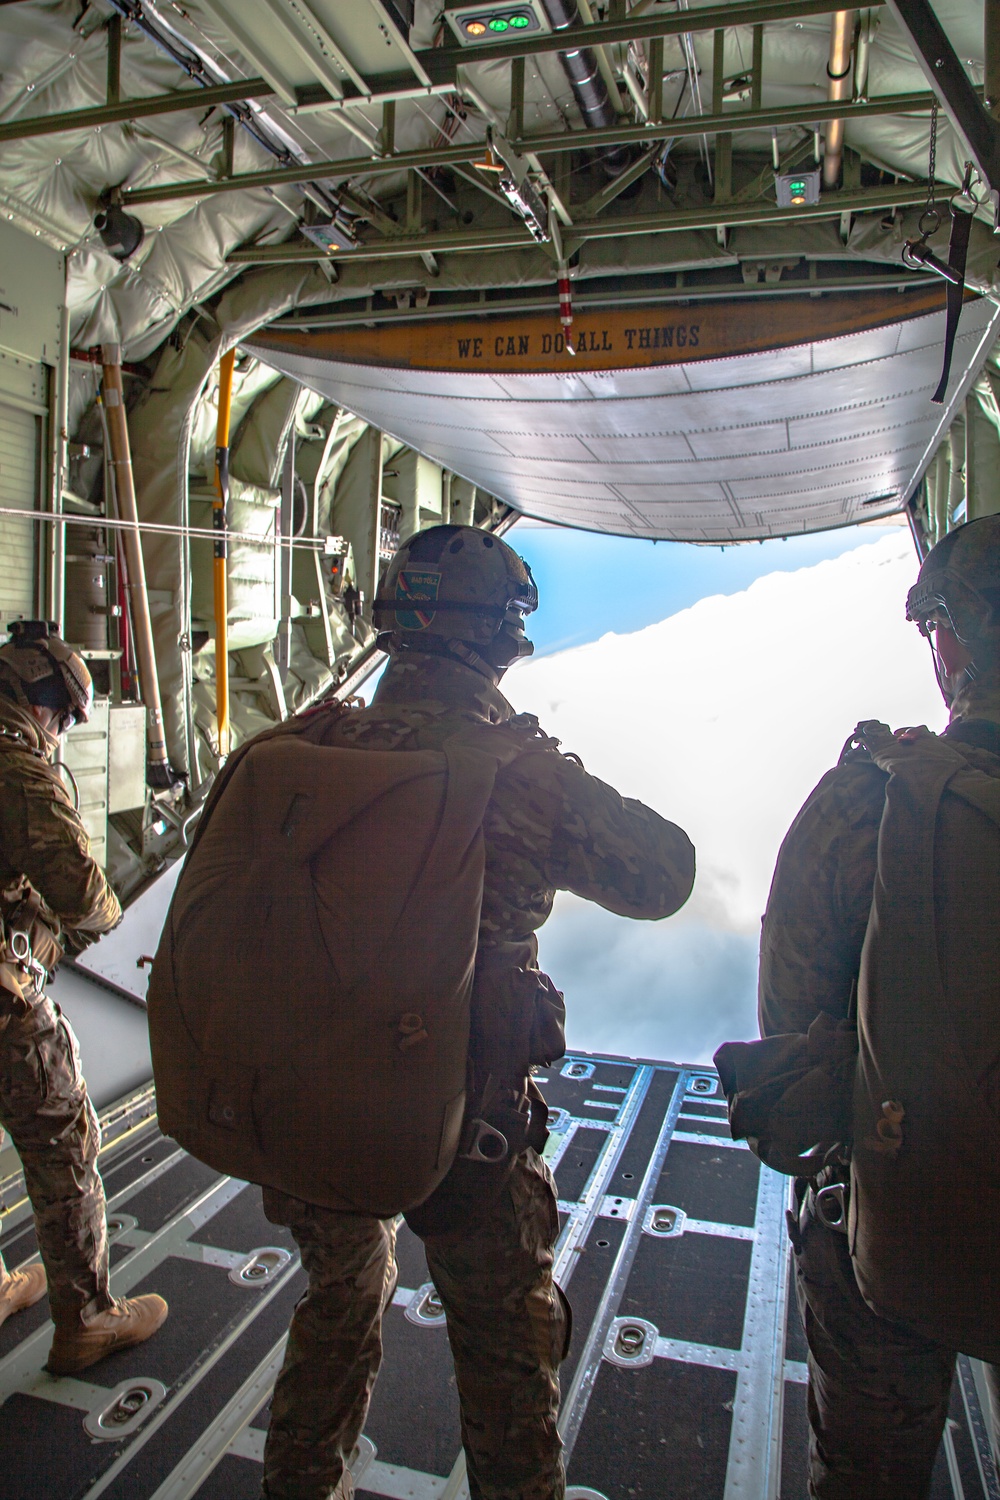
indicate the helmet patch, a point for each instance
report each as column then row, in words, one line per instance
column 413, row 584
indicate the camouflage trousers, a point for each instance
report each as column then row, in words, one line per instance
column 878, row 1394
column 51, row 1121
column 508, row 1326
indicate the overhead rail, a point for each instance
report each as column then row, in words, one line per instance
column 135, row 109
column 440, row 62
column 733, row 215
column 685, row 291
column 551, row 143
column 433, row 68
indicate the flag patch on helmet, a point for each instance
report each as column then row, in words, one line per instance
column 413, row 585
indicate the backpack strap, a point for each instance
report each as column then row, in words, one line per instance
column 313, row 724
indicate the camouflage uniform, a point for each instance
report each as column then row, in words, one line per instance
column 878, row 1393
column 489, row 1234
column 45, row 853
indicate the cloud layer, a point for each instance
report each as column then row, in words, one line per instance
column 722, row 717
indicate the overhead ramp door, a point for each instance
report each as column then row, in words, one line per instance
column 716, row 422
column 20, row 450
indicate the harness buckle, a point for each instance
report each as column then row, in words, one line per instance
column 831, row 1206
column 487, row 1144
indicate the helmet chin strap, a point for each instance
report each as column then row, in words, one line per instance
column 469, row 658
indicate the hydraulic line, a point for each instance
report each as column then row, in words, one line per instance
column 159, row 772
column 220, row 520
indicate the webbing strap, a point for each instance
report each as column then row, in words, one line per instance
column 958, row 250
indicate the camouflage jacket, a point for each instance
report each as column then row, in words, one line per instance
column 549, row 826
column 44, row 843
column 821, row 895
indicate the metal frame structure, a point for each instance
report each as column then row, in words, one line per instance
column 552, row 143
column 942, row 67
column 444, row 70
column 729, row 216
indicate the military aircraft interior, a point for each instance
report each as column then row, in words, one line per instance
column 282, row 284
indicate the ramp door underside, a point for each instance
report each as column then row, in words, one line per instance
column 685, row 1379
column 716, row 422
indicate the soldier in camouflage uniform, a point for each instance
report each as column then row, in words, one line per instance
column 488, row 1230
column 878, row 1393
column 54, row 897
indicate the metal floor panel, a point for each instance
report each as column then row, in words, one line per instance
column 685, row 1378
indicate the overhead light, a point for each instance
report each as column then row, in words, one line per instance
column 489, row 23
column 524, row 200
column 121, row 233
column 330, row 236
column 796, row 189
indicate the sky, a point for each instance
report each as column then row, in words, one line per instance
column 721, row 712
column 589, row 584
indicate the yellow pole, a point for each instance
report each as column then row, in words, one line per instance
column 219, row 522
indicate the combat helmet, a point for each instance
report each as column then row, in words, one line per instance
column 37, row 668
column 958, row 587
column 457, row 591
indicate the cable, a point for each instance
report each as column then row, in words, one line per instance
column 74, row 786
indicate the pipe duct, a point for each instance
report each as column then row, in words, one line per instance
column 589, row 89
column 159, row 772
column 839, row 72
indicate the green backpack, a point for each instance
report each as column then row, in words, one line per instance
column 925, row 1163
column 309, row 1001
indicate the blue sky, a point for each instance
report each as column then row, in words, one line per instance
column 717, row 687
column 589, row 584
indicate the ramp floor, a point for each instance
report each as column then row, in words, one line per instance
column 685, row 1379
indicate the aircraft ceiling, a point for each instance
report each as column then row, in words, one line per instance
column 339, row 136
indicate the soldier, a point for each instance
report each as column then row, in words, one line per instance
column 488, row 1230
column 54, row 897
column 879, row 1390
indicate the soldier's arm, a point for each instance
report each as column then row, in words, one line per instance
column 607, row 848
column 47, row 841
column 821, row 895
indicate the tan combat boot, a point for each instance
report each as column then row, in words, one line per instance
column 131, row 1321
column 21, row 1289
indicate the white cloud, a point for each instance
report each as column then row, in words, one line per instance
column 722, row 717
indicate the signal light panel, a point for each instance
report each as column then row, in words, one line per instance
column 796, row 189
column 492, row 23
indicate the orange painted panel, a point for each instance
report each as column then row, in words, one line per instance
column 628, row 339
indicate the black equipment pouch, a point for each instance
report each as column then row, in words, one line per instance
column 790, row 1096
column 475, row 1179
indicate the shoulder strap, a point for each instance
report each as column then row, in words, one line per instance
column 311, row 724
column 983, row 734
